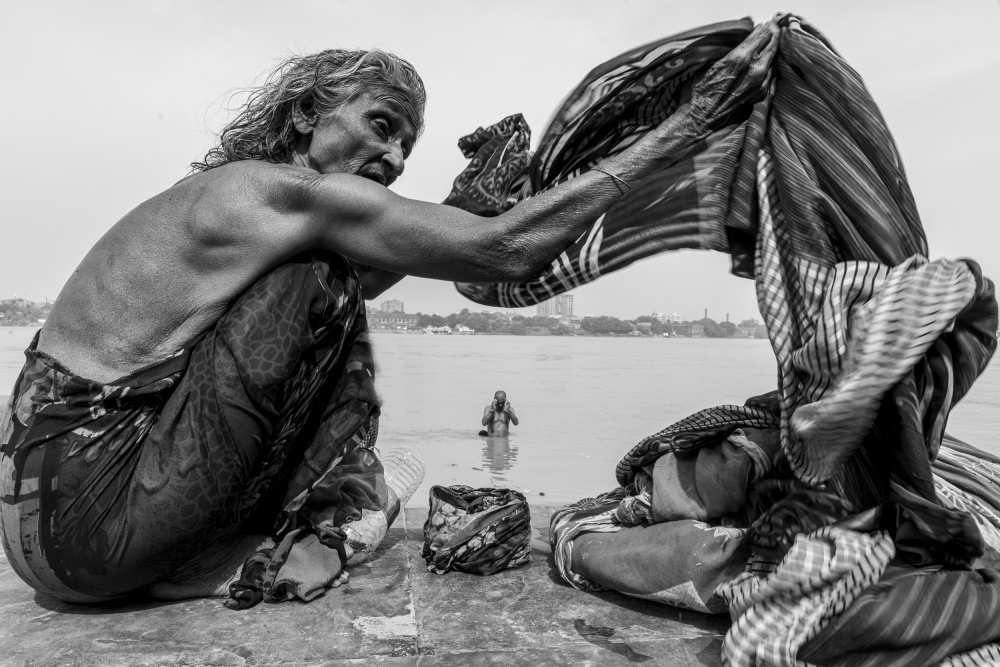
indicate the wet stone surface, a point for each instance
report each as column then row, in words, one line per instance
column 392, row 612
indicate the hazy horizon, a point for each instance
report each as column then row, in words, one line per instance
column 113, row 101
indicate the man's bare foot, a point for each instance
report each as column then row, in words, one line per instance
column 210, row 572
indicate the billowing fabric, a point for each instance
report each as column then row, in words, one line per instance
column 268, row 419
column 874, row 344
column 806, row 191
column 477, row 531
column 871, row 360
column 610, row 109
column 836, row 153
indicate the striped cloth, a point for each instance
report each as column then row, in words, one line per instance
column 807, row 193
column 818, row 106
column 701, row 429
column 613, row 106
column 874, row 344
column 818, row 579
column 815, row 611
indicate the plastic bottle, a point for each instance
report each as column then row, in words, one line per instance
column 404, row 471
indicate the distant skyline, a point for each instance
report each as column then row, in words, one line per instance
column 475, row 307
column 115, row 99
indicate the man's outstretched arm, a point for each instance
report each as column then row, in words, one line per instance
column 363, row 220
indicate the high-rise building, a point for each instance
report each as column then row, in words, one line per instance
column 393, row 306
column 674, row 318
column 546, row 308
column 557, row 306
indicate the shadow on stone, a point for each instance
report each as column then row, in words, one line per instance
column 123, row 605
column 601, row 637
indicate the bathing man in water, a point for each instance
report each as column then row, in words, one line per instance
column 498, row 415
column 200, row 402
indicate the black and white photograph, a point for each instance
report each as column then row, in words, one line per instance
column 522, row 333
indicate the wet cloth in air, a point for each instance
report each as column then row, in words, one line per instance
column 805, row 190
column 268, row 420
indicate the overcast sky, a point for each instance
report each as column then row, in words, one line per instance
column 106, row 104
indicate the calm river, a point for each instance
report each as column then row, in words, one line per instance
column 582, row 402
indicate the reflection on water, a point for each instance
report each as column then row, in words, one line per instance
column 499, row 455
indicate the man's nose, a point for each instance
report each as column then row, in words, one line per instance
column 394, row 162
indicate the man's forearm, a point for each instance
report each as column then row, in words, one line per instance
column 540, row 226
column 556, row 218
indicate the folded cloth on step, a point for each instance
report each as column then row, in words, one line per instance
column 700, row 483
column 680, row 563
column 478, row 531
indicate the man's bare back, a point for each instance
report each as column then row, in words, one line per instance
column 155, row 281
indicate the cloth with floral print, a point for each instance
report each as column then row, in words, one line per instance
column 478, row 531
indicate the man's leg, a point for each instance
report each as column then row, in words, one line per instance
column 255, row 390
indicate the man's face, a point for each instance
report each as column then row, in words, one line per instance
column 365, row 137
column 499, row 398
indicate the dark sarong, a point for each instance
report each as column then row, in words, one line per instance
column 108, row 488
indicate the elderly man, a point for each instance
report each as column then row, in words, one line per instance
column 203, row 389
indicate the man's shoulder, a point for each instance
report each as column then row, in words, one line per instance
column 254, row 172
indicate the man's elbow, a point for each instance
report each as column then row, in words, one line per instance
column 518, row 259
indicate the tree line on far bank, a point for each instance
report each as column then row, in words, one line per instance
column 22, row 313
column 603, row 325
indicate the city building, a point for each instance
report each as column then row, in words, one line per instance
column 674, row 318
column 557, row 306
column 393, row 306
column 571, row 321
column 383, row 321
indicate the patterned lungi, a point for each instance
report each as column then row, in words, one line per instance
column 265, row 422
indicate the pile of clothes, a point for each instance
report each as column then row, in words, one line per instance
column 834, row 519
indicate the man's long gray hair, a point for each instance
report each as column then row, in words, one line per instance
column 318, row 84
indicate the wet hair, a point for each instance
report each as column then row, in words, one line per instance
column 318, row 84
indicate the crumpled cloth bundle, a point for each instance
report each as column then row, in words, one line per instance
column 477, row 531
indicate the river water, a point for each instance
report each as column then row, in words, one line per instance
column 582, row 402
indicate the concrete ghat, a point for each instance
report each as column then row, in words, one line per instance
column 392, row 612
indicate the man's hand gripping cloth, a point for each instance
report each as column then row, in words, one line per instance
column 266, row 424
column 616, row 103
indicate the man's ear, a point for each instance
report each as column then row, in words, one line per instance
column 303, row 117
